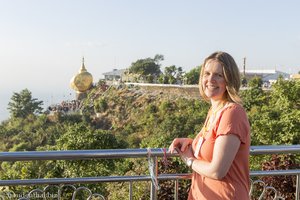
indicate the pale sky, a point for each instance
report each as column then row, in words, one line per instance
column 42, row 42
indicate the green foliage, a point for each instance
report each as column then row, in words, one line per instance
column 171, row 75
column 285, row 94
column 180, row 118
column 274, row 115
column 147, row 66
column 254, row 96
column 22, row 104
column 28, row 134
column 81, row 136
column 192, row 77
column 136, row 118
column 101, row 105
column 74, row 137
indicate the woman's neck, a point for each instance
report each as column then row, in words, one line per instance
column 217, row 105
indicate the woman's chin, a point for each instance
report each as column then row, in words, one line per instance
column 214, row 96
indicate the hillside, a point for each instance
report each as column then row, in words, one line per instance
column 136, row 110
column 141, row 117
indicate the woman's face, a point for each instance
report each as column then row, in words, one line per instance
column 213, row 81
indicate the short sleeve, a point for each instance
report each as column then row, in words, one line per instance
column 233, row 120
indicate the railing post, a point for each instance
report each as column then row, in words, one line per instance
column 130, row 190
column 153, row 193
column 298, row 187
column 176, row 190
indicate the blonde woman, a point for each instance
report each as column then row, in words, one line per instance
column 219, row 154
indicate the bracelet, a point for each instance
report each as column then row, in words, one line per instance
column 190, row 162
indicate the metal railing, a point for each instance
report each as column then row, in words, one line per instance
column 151, row 154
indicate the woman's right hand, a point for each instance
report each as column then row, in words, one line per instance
column 180, row 144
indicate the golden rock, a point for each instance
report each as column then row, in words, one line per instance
column 82, row 81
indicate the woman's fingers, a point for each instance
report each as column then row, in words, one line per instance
column 180, row 143
column 184, row 146
column 173, row 146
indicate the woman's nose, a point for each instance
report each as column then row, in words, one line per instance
column 211, row 78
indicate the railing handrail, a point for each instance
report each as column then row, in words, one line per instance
column 124, row 153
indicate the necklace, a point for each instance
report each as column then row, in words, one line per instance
column 211, row 117
column 207, row 125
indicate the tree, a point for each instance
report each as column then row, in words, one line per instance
column 131, row 119
column 171, row 75
column 147, row 66
column 254, row 96
column 273, row 115
column 22, row 104
column 286, row 94
column 192, row 77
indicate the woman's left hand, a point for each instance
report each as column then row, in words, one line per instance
column 187, row 154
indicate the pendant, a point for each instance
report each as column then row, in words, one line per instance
column 198, row 147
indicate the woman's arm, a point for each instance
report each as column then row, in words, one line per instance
column 225, row 149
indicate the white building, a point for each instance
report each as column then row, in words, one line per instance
column 267, row 76
column 115, row 75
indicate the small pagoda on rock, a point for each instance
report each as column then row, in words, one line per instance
column 81, row 82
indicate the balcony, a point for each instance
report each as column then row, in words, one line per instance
column 151, row 156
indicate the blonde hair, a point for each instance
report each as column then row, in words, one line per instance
column 231, row 74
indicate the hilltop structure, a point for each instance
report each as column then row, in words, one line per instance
column 117, row 75
column 268, row 76
column 81, row 82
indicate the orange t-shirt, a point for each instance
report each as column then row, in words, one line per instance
column 231, row 119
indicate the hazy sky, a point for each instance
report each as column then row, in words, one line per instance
column 42, row 42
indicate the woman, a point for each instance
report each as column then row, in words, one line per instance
column 219, row 154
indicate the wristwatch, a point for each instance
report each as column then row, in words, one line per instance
column 189, row 162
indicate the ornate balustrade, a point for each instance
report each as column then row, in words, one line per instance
column 151, row 154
